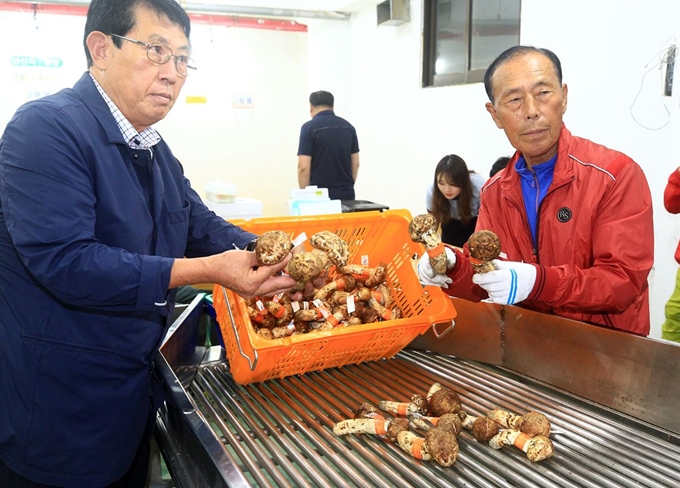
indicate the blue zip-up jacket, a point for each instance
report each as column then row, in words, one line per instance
column 89, row 231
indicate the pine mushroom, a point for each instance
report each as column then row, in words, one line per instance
column 536, row 448
column 271, row 247
column 333, row 245
column 418, row 404
column 442, row 400
column 483, row 428
column 377, row 426
column 531, row 423
column 423, row 229
column 484, row 246
column 438, row 444
column 448, row 421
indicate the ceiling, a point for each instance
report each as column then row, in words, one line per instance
column 286, row 9
column 318, row 5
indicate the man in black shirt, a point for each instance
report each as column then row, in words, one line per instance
column 328, row 153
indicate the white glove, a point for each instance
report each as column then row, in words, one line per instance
column 511, row 282
column 428, row 276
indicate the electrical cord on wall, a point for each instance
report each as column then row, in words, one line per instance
column 665, row 57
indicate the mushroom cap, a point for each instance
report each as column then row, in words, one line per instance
column 444, row 401
column 539, row 448
column 483, row 428
column 305, row 266
column 420, row 402
column 420, row 225
column 271, row 247
column 396, row 425
column 370, row 315
column 367, row 410
column 533, row 424
column 330, row 243
column 443, row 446
column 377, row 275
column 484, row 245
column 450, row 422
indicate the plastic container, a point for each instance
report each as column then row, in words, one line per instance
column 220, row 192
column 376, row 236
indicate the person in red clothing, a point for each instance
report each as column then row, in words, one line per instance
column 670, row 330
column 574, row 218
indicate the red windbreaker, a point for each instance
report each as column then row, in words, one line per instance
column 595, row 237
column 671, row 200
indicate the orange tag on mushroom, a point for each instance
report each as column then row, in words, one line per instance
column 332, row 320
column 434, row 252
column 380, row 426
column 521, row 440
column 417, row 448
column 402, row 409
column 278, row 311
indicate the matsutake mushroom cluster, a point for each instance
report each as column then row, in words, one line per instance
column 329, row 292
column 428, row 427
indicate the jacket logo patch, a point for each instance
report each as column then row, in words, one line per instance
column 564, row 214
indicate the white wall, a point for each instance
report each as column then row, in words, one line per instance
column 255, row 149
column 375, row 74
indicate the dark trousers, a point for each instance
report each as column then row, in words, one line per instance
column 134, row 478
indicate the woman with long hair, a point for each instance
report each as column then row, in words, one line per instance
column 453, row 199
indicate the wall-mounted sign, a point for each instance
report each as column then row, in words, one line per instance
column 35, row 61
column 196, row 99
column 243, row 101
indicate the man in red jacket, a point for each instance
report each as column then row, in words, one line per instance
column 670, row 329
column 574, row 218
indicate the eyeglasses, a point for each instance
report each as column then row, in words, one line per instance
column 160, row 54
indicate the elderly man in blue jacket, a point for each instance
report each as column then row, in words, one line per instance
column 98, row 227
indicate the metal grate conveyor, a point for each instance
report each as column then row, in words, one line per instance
column 279, row 433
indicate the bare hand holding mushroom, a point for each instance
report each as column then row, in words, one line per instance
column 237, row 270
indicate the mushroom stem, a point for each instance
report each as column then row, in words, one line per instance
column 536, row 448
column 418, row 404
column 414, row 445
column 376, row 425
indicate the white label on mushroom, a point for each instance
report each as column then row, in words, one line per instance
column 350, row 304
column 324, row 311
column 259, row 305
column 295, row 305
column 299, row 239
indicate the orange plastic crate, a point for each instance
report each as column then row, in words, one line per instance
column 376, row 236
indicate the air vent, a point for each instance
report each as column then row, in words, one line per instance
column 393, row 12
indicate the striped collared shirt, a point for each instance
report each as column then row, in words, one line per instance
column 136, row 140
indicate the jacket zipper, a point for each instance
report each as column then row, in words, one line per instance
column 538, row 214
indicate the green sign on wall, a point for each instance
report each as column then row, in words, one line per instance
column 35, row 61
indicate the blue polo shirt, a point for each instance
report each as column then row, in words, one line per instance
column 330, row 141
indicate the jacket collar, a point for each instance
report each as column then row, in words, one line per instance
column 562, row 174
column 94, row 102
